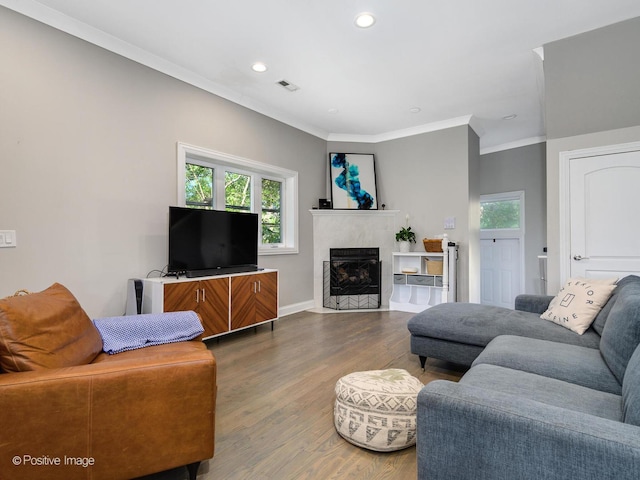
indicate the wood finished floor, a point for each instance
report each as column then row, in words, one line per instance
column 274, row 416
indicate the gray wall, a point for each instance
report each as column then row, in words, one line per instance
column 592, row 99
column 592, row 81
column 88, row 165
column 516, row 169
column 430, row 177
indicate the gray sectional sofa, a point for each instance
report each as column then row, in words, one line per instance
column 539, row 401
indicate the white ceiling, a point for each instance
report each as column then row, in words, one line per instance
column 459, row 61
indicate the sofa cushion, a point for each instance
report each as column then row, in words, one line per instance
column 475, row 324
column 532, row 303
column 621, row 333
column 578, row 302
column 631, row 390
column 569, row 363
column 601, row 319
column 545, row 390
column 48, row 329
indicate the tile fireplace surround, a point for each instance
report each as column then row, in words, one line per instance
column 349, row 229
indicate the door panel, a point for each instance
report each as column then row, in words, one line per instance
column 500, row 271
column 243, row 301
column 214, row 306
column 267, row 297
column 180, row 297
column 604, row 197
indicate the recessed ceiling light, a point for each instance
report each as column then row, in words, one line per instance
column 259, row 67
column 415, row 109
column 365, row 20
column 509, row 117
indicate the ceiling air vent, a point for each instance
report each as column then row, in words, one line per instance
column 289, row 86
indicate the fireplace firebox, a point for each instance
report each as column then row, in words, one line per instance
column 352, row 278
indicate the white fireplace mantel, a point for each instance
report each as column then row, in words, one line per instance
column 350, row 213
column 349, row 229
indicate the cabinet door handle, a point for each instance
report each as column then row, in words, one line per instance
column 259, row 287
column 197, row 295
column 255, row 287
column 204, row 296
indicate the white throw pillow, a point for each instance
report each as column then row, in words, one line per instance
column 578, row 302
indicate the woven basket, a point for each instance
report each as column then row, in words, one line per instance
column 434, row 267
column 432, row 244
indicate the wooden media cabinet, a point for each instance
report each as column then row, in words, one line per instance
column 226, row 303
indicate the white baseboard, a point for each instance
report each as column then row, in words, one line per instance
column 310, row 306
column 295, row 308
column 383, row 308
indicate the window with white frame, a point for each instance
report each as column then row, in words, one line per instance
column 501, row 211
column 216, row 180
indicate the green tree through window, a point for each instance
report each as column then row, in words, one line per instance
column 271, row 211
column 500, row 214
column 217, row 180
column 237, row 192
column 199, row 186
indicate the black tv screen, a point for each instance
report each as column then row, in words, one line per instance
column 211, row 242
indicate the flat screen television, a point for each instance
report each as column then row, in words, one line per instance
column 212, row 242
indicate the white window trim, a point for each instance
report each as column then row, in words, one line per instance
column 289, row 201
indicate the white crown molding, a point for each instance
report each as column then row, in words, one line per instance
column 407, row 132
column 540, row 52
column 517, row 144
column 81, row 30
column 59, row 21
column 474, row 123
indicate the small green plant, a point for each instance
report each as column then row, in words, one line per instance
column 406, row 235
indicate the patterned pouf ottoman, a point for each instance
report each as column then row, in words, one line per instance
column 377, row 409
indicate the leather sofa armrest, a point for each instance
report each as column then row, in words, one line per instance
column 508, row 436
column 134, row 413
column 533, row 303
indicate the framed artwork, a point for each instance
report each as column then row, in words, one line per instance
column 353, row 181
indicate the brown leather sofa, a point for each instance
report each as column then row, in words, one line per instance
column 69, row 411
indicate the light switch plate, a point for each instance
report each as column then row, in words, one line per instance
column 449, row 223
column 8, row 238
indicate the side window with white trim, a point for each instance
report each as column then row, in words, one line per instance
column 215, row 180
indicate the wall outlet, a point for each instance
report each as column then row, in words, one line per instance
column 8, row 238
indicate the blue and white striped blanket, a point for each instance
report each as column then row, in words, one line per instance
column 130, row 332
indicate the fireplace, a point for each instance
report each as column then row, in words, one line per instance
column 352, row 278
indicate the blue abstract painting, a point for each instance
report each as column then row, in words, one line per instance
column 353, row 181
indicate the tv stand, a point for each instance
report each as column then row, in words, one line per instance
column 214, row 272
column 225, row 302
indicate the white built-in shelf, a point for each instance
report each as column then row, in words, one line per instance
column 415, row 292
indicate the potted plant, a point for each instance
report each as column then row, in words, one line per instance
column 405, row 236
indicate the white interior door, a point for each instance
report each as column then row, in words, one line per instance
column 604, row 193
column 501, row 248
column 500, row 271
